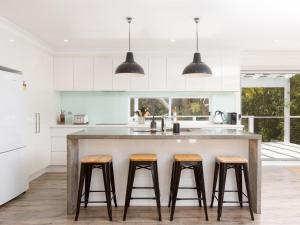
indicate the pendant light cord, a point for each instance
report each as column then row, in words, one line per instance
column 129, row 22
column 196, row 21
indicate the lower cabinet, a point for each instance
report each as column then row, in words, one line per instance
column 59, row 145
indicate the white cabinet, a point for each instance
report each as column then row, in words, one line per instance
column 59, row 145
column 83, row 73
column 212, row 83
column 103, row 73
column 157, row 73
column 120, row 82
column 141, row 83
column 175, row 80
column 63, row 69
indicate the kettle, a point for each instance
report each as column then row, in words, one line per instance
column 219, row 117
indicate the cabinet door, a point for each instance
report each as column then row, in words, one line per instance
column 103, row 74
column 83, row 73
column 141, row 83
column 157, row 73
column 63, row 73
column 175, row 80
column 212, row 83
column 120, row 82
column 230, row 73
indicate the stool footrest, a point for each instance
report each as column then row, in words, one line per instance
column 94, row 202
column 188, row 198
column 142, row 187
column 141, row 198
column 187, row 188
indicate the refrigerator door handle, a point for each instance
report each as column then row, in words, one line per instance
column 37, row 123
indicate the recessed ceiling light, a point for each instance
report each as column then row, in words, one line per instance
column 12, row 40
column 66, row 40
column 172, row 40
column 276, row 41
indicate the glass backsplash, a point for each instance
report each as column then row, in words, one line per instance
column 113, row 107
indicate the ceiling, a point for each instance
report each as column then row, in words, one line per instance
column 99, row 25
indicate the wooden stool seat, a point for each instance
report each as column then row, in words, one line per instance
column 187, row 157
column 96, row 159
column 143, row 157
column 231, row 159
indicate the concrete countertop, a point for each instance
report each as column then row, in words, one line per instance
column 141, row 133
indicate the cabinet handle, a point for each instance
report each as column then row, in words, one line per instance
column 37, row 123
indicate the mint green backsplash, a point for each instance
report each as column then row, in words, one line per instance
column 113, row 107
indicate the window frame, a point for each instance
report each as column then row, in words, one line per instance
column 130, row 118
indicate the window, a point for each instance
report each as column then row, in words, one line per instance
column 186, row 108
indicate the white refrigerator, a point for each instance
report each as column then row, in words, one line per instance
column 13, row 169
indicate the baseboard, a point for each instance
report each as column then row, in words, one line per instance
column 37, row 174
column 48, row 169
column 56, row 169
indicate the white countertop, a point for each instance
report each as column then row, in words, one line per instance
column 185, row 124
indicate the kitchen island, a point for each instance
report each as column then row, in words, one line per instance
column 122, row 142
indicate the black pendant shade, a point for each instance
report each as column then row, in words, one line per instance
column 197, row 68
column 130, row 67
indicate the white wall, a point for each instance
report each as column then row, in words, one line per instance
column 36, row 63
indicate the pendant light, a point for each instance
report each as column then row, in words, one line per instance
column 197, row 68
column 130, row 67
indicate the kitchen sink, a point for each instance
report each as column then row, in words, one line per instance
column 168, row 130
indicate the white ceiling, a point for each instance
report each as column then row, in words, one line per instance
column 99, row 25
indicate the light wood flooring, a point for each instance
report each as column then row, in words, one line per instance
column 45, row 203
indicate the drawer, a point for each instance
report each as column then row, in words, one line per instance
column 58, row 158
column 62, row 132
column 58, row 144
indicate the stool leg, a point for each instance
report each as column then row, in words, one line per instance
column 214, row 184
column 154, row 172
column 171, row 184
column 202, row 186
column 246, row 176
column 112, row 180
column 239, row 179
column 130, row 181
column 88, row 176
column 106, row 178
column 81, row 180
column 198, row 186
column 222, row 182
column 175, row 188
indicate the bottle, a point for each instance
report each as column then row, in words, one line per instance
column 62, row 117
column 153, row 125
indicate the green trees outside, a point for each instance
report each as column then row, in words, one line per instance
column 270, row 102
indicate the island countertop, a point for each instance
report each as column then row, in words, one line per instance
column 142, row 133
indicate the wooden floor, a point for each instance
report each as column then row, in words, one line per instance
column 45, row 203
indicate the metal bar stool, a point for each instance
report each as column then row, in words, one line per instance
column 193, row 162
column 239, row 164
column 148, row 162
column 89, row 163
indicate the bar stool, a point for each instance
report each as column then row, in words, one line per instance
column 239, row 164
column 148, row 162
column 193, row 162
column 89, row 163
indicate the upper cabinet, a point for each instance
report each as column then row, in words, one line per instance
column 162, row 73
column 63, row 73
column 158, row 73
column 103, row 72
column 141, row 83
column 175, row 80
column 83, row 73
